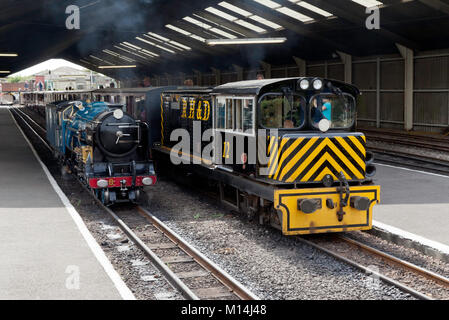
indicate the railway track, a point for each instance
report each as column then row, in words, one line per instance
column 170, row 250
column 404, row 159
column 408, row 157
column 182, row 265
column 419, row 282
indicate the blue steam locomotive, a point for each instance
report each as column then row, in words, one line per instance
column 106, row 147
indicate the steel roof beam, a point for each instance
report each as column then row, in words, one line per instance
column 355, row 14
column 288, row 23
column 437, row 5
column 228, row 24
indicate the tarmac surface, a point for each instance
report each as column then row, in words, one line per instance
column 417, row 202
column 44, row 253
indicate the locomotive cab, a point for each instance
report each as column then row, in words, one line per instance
column 287, row 147
column 307, row 151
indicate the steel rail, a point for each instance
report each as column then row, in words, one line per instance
column 37, row 124
column 13, row 111
column 367, row 270
column 233, row 285
column 227, row 280
column 157, row 262
column 414, row 268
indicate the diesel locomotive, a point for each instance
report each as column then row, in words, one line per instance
column 106, row 147
column 282, row 150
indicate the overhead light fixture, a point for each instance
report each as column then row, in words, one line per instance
column 8, row 54
column 117, row 67
column 214, row 42
column 5, row 71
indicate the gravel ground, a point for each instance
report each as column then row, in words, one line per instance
column 139, row 274
column 408, row 254
column 384, row 266
column 269, row 264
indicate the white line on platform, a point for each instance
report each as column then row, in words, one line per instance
column 122, row 288
column 411, row 236
column 407, row 169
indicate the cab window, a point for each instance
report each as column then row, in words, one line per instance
column 338, row 109
column 235, row 114
column 220, row 113
column 282, row 112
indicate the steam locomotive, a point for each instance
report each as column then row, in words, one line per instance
column 106, row 147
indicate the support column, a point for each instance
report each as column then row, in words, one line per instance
column 378, row 92
column 408, row 56
column 217, row 76
column 168, row 78
column 199, row 77
column 239, row 71
column 347, row 61
column 302, row 66
column 182, row 75
column 267, row 69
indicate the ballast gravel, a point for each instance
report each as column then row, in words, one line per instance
column 271, row 265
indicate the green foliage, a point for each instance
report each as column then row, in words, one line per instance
column 17, row 79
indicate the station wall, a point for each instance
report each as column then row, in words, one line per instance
column 381, row 80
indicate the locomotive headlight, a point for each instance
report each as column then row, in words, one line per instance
column 118, row 114
column 317, row 84
column 102, row 183
column 324, row 125
column 304, row 84
column 147, row 181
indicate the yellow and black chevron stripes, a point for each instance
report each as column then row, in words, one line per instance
column 309, row 159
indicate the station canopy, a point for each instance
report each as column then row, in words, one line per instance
column 164, row 36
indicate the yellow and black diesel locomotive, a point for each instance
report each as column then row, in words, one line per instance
column 284, row 150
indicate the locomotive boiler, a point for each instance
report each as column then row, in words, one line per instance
column 106, row 147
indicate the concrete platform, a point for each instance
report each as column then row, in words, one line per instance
column 414, row 202
column 44, row 245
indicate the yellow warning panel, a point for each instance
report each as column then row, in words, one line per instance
column 318, row 210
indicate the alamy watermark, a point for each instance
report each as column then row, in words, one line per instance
column 373, row 20
column 73, row 21
column 72, row 282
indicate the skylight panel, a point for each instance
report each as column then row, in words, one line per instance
column 210, row 28
column 311, row 7
column 173, row 44
column 268, row 3
column 180, row 45
column 155, row 45
column 197, row 22
column 294, row 14
column 368, row 3
column 102, row 60
column 182, row 31
column 131, row 50
column 221, row 14
column 132, row 45
column 250, row 26
column 250, row 15
column 115, row 54
column 236, row 20
column 287, row 11
column 266, row 22
column 186, row 33
column 223, row 33
column 158, row 36
column 235, row 9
